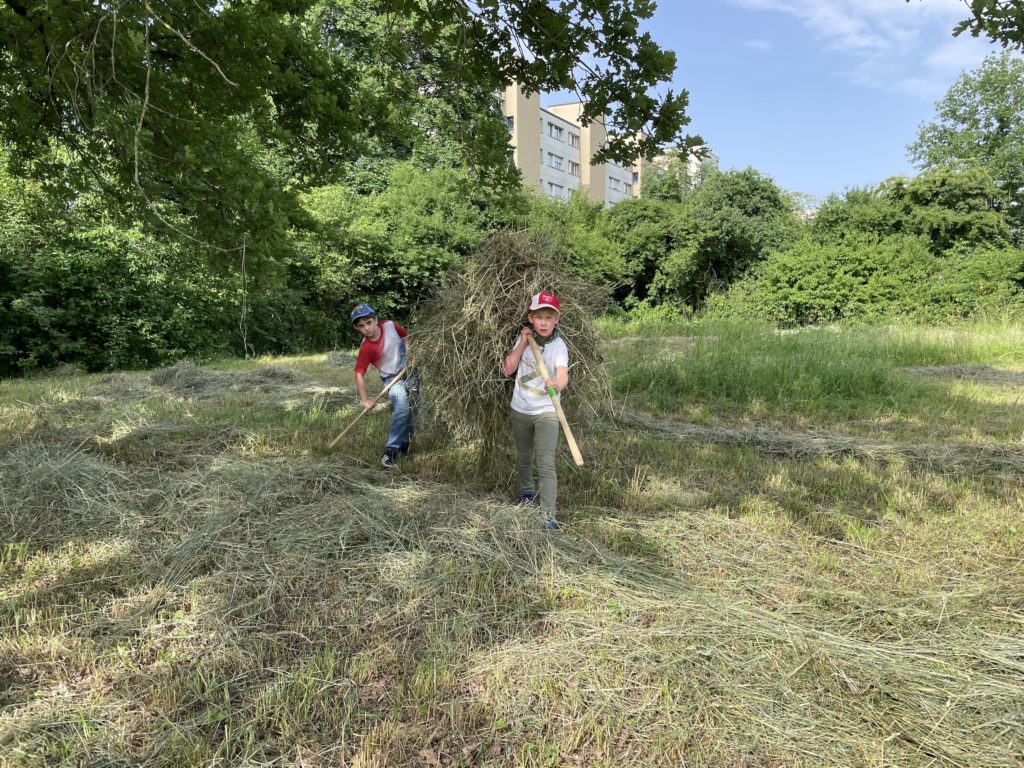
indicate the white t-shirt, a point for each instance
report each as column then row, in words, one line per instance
column 530, row 396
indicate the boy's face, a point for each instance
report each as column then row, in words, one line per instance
column 543, row 321
column 368, row 326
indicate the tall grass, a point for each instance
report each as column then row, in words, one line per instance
column 818, row 371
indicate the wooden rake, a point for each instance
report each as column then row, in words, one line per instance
column 379, row 395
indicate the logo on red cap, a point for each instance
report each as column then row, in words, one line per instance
column 544, row 299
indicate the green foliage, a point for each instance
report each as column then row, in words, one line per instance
column 671, row 179
column 163, row 107
column 106, row 298
column 175, row 109
column 542, row 45
column 79, row 287
column 1000, row 20
column 856, row 213
column 980, row 123
column 730, row 222
column 389, row 248
column 578, row 230
column 951, row 208
column 868, row 278
column 645, row 232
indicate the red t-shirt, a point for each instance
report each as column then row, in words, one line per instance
column 384, row 353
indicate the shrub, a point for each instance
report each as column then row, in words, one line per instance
column 865, row 278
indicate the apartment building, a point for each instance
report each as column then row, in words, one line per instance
column 552, row 150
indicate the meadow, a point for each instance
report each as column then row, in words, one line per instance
column 785, row 549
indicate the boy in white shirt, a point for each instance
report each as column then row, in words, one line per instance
column 535, row 425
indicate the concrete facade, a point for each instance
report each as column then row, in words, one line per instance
column 552, row 150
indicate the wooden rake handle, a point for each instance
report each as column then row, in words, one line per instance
column 379, row 395
column 573, row 448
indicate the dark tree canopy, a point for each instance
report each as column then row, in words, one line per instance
column 210, row 113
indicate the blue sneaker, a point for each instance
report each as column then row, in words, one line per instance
column 528, row 499
column 550, row 524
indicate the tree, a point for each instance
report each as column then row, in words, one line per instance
column 949, row 208
column 980, row 123
column 673, row 176
column 209, row 114
column 577, row 229
column 1000, row 20
column 729, row 223
column 644, row 231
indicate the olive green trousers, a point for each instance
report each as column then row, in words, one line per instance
column 537, row 440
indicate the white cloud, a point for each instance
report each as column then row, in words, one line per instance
column 893, row 45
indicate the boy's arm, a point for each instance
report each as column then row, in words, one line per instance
column 560, row 380
column 361, row 388
column 512, row 359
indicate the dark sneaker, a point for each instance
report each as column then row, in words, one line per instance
column 390, row 458
column 528, row 499
column 403, row 449
column 550, row 524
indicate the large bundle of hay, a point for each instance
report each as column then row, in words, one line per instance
column 464, row 332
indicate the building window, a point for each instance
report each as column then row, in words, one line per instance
column 574, row 140
column 629, row 189
column 614, row 183
column 555, row 131
column 574, row 167
column 556, row 190
column 554, row 160
column 510, row 123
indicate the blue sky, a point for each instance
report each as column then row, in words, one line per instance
column 821, row 95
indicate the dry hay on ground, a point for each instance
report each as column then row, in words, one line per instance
column 337, row 359
column 978, row 374
column 52, row 492
column 1000, row 460
column 683, row 343
column 463, row 333
column 189, row 380
column 299, row 597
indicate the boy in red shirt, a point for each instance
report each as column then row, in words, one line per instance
column 385, row 346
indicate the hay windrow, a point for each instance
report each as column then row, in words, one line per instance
column 48, row 493
column 463, row 333
column 976, row 374
column 1006, row 461
column 189, row 380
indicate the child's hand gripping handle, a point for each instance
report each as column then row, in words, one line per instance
column 573, row 448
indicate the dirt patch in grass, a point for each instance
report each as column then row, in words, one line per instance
column 977, row 374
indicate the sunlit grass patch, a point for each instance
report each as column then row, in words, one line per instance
column 196, row 580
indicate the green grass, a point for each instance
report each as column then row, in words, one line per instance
column 805, row 556
column 852, row 379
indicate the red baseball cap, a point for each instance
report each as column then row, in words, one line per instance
column 544, row 299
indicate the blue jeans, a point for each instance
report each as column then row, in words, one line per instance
column 403, row 410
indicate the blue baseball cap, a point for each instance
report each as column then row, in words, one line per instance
column 361, row 310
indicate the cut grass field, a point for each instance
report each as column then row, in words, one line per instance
column 798, row 549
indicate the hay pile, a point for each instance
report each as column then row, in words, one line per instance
column 464, row 331
column 187, row 379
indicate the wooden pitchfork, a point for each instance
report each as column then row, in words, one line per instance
column 379, row 395
column 573, row 448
